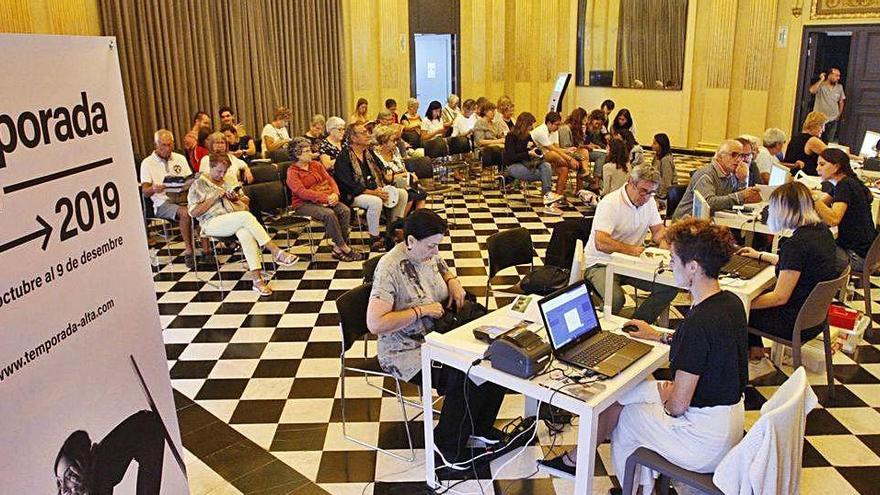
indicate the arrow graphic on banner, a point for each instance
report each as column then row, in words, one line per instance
column 45, row 232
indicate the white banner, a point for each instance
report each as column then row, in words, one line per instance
column 85, row 399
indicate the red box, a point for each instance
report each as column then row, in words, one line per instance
column 842, row 317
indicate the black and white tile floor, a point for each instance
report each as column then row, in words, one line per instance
column 257, row 381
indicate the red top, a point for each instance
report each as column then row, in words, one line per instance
column 313, row 185
column 195, row 157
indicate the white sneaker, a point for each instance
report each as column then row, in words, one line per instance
column 552, row 210
column 551, row 197
column 760, row 368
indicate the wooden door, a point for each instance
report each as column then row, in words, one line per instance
column 862, row 111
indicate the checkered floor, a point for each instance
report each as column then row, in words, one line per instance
column 263, row 374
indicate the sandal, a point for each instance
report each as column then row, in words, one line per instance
column 284, row 258
column 349, row 256
column 262, row 287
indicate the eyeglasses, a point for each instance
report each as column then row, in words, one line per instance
column 736, row 155
column 646, row 192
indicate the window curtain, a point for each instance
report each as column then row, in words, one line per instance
column 179, row 56
column 651, row 43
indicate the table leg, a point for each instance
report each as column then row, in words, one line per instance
column 428, row 417
column 586, row 457
column 530, row 410
column 609, row 289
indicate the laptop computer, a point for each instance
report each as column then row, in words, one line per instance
column 576, row 337
column 743, row 267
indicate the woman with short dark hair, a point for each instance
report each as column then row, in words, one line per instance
column 412, row 287
column 695, row 419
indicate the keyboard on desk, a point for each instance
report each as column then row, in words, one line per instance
column 595, row 353
column 743, row 267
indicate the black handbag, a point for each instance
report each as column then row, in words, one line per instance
column 544, row 280
column 454, row 318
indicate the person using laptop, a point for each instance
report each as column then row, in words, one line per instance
column 413, row 287
column 806, row 258
column 694, row 420
column 718, row 182
column 622, row 220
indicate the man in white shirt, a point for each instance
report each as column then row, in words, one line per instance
column 768, row 154
column 162, row 163
column 546, row 136
column 463, row 125
column 622, row 220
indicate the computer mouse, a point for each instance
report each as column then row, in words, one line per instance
column 630, row 328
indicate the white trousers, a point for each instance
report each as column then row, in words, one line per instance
column 696, row 441
column 243, row 225
column 373, row 206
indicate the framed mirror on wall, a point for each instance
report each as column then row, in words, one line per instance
column 631, row 43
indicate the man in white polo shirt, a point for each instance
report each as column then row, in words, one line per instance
column 161, row 163
column 622, row 220
column 546, row 136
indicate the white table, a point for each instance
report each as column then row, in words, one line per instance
column 749, row 224
column 644, row 269
column 459, row 349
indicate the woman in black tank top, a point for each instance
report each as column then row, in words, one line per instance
column 806, row 146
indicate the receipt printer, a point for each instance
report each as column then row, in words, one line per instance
column 519, row 352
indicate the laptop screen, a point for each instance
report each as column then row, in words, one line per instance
column 568, row 315
column 779, row 175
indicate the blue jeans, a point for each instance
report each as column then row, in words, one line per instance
column 598, row 159
column 542, row 173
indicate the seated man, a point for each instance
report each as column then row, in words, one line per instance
column 770, row 153
column 163, row 162
column 596, row 140
column 412, row 288
column 360, row 175
column 622, row 220
column 546, row 136
column 718, row 183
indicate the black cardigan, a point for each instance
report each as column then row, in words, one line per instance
column 516, row 150
column 350, row 184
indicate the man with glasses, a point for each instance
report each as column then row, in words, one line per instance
column 623, row 218
column 718, row 182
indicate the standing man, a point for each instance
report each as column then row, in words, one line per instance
column 829, row 100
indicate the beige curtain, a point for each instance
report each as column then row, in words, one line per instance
column 651, row 43
column 179, row 56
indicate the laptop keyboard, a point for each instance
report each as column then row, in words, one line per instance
column 597, row 352
column 743, row 266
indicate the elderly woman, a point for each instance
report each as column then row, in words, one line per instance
column 451, row 110
column 315, row 194
column 388, row 152
column 504, row 115
column 804, row 148
column 487, row 131
column 332, row 144
column 275, row 135
column 315, row 134
column 412, row 288
column 696, row 418
column 808, row 257
column 222, row 212
column 216, row 143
